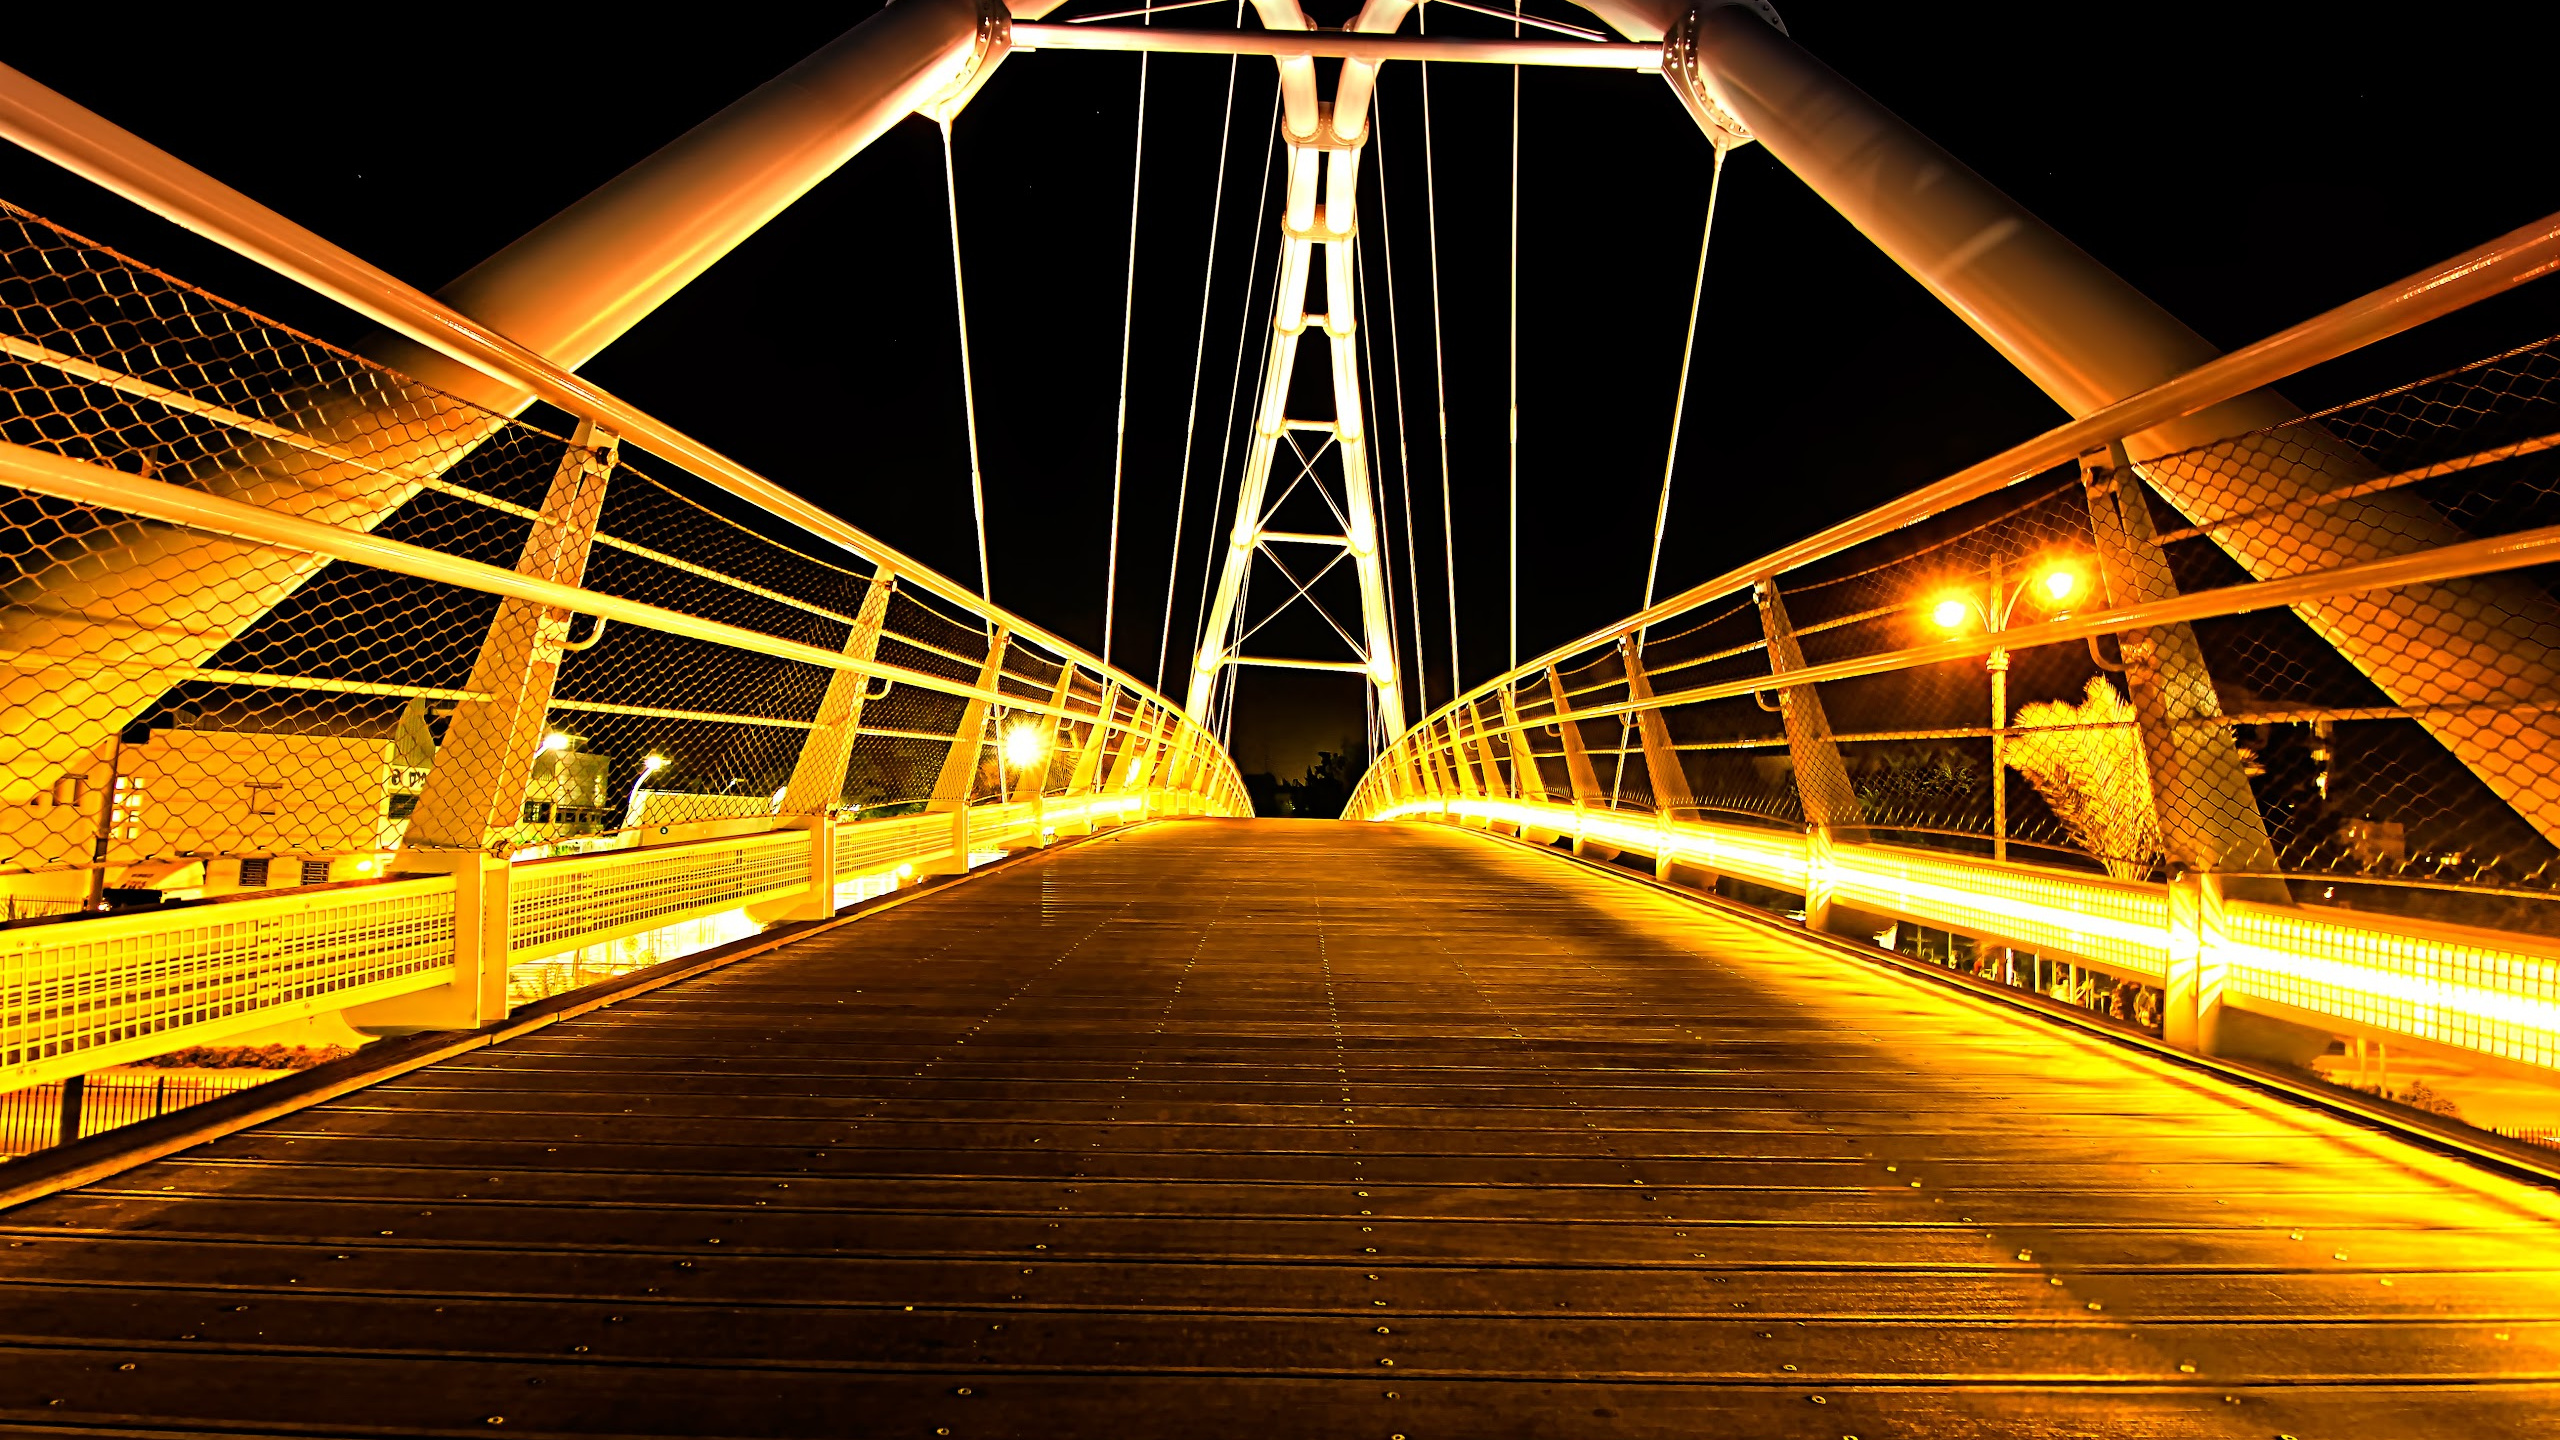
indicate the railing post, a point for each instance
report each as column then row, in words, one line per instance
column 473, row 799
column 2209, row 817
column 1822, row 779
column 1577, row 769
column 75, row 1094
column 1818, row 868
column 816, row 787
column 474, row 796
column 1662, row 770
column 958, row 782
column 1494, row 782
column 1087, row 780
column 1470, row 786
column 2191, row 987
column 1526, row 782
column 1057, row 727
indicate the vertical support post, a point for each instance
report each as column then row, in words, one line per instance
column 816, row 787
column 1822, row 780
column 1443, row 781
column 1039, row 785
column 1819, row 866
column 1494, row 783
column 958, row 782
column 2209, row 817
column 1470, row 785
column 1088, row 776
column 2191, row 989
column 1670, row 783
column 473, row 800
column 75, row 1094
column 1526, row 782
column 1577, row 769
column 474, row 796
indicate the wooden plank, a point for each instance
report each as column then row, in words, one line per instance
column 1191, row 1131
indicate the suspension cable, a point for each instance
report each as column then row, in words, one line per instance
column 1235, row 392
column 1404, row 456
column 1128, row 317
column 1199, row 357
column 1680, row 397
column 1439, row 365
column 968, row 388
column 1511, row 588
column 1671, row 457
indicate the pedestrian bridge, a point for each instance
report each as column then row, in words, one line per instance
column 1209, row 1125
column 2069, row 951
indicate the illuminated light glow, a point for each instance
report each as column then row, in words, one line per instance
column 2060, row 583
column 1025, row 746
column 2482, row 994
column 906, row 872
column 653, row 765
column 364, row 867
column 1950, row 614
column 554, row 742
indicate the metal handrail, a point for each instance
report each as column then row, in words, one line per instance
column 88, row 145
column 2521, row 255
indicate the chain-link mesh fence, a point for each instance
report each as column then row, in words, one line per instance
column 2385, row 752
column 193, row 714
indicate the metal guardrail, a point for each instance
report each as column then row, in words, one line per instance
column 280, row 618
column 2287, row 749
column 2497, row 993
column 83, row 994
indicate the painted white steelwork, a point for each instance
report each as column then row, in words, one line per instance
column 1324, row 144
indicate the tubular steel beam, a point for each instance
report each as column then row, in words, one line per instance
column 2087, row 339
column 118, row 160
column 1340, row 45
column 2526, row 253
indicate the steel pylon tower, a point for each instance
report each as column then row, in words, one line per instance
column 1316, row 150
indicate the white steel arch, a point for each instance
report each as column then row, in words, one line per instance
column 1324, row 144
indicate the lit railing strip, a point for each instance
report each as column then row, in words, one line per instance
column 85, row 994
column 2491, row 992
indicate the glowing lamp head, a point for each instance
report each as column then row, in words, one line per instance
column 1024, row 746
column 2061, row 583
column 1950, row 613
column 906, row 872
column 554, row 743
column 652, row 766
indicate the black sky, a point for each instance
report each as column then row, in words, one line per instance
column 2246, row 165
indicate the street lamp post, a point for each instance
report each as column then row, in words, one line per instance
column 1995, row 605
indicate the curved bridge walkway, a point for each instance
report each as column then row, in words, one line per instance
column 1293, row 1128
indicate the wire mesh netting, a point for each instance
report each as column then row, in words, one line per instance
column 194, row 714
column 2392, row 747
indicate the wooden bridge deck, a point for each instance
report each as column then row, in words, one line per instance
column 1277, row 1129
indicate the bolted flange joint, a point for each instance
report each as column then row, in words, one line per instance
column 1690, row 81
column 987, row 49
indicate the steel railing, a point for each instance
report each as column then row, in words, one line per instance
column 2226, row 761
column 293, row 647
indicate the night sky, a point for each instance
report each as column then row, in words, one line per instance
column 2247, row 166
